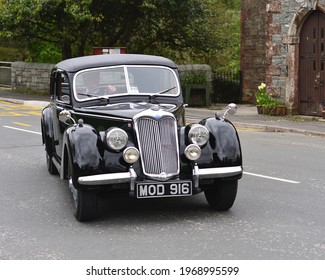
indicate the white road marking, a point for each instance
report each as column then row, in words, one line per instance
column 272, row 178
column 24, row 130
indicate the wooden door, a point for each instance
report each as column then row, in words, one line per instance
column 312, row 65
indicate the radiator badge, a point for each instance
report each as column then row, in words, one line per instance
column 163, row 176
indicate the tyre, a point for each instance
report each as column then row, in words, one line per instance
column 84, row 202
column 221, row 197
column 47, row 140
column 50, row 165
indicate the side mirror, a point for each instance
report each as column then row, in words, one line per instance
column 65, row 117
column 231, row 109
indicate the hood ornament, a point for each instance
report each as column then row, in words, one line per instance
column 155, row 107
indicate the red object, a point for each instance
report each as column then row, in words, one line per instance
column 107, row 50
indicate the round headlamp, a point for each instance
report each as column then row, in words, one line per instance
column 192, row 152
column 116, row 138
column 198, row 134
column 131, row 154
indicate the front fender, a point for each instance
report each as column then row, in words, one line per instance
column 47, row 130
column 81, row 147
column 223, row 148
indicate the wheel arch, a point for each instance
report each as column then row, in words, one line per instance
column 224, row 142
column 47, row 130
column 64, row 162
column 83, row 160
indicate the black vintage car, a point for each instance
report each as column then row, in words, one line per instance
column 116, row 123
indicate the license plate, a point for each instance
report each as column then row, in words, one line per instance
column 165, row 189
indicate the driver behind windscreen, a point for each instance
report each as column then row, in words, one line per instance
column 91, row 81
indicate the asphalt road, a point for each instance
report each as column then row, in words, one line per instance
column 279, row 211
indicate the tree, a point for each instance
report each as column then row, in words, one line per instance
column 188, row 31
column 62, row 23
column 145, row 25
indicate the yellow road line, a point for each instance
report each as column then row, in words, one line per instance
column 8, row 109
column 21, row 124
column 35, row 113
column 12, row 114
column 31, row 108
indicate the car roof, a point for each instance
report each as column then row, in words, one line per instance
column 94, row 61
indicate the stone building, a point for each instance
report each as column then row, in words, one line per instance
column 283, row 45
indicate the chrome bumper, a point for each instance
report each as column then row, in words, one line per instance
column 111, row 178
column 216, row 172
column 130, row 177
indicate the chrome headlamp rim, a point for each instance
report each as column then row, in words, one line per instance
column 198, row 134
column 128, row 157
column 116, row 142
column 192, row 152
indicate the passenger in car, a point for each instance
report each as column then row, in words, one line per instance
column 91, row 85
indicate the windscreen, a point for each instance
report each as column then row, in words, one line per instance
column 125, row 80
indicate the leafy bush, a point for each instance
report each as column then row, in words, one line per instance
column 9, row 54
column 265, row 101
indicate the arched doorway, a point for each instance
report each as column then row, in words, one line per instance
column 312, row 65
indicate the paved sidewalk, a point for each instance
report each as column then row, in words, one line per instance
column 246, row 116
column 28, row 99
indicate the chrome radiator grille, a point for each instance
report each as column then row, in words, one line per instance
column 158, row 146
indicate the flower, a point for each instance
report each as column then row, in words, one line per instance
column 261, row 95
column 265, row 101
column 262, row 87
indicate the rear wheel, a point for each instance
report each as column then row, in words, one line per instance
column 84, row 203
column 221, row 197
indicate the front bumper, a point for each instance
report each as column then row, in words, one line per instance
column 216, row 172
column 131, row 176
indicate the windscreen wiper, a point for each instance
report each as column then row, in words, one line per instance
column 152, row 97
column 94, row 95
column 165, row 90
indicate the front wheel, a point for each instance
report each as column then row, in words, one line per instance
column 84, row 203
column 221, row 197
column 50, row 165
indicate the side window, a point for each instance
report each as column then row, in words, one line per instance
column 62, row 87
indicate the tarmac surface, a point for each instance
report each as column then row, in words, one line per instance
column 246, row 116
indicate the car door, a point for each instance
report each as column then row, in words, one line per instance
column 61, row 96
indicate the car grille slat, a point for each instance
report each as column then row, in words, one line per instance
column 158, row 146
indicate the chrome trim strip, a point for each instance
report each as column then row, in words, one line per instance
column 99, row 116
column 219, row 172
column 110, row 178
column 153, row 112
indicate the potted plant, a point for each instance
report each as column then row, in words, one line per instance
column 280, row 109
column 268, row 105
column 262, row 98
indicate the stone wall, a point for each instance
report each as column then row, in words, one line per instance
column 280, row 15
column 31, row 76
column 253, row 40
